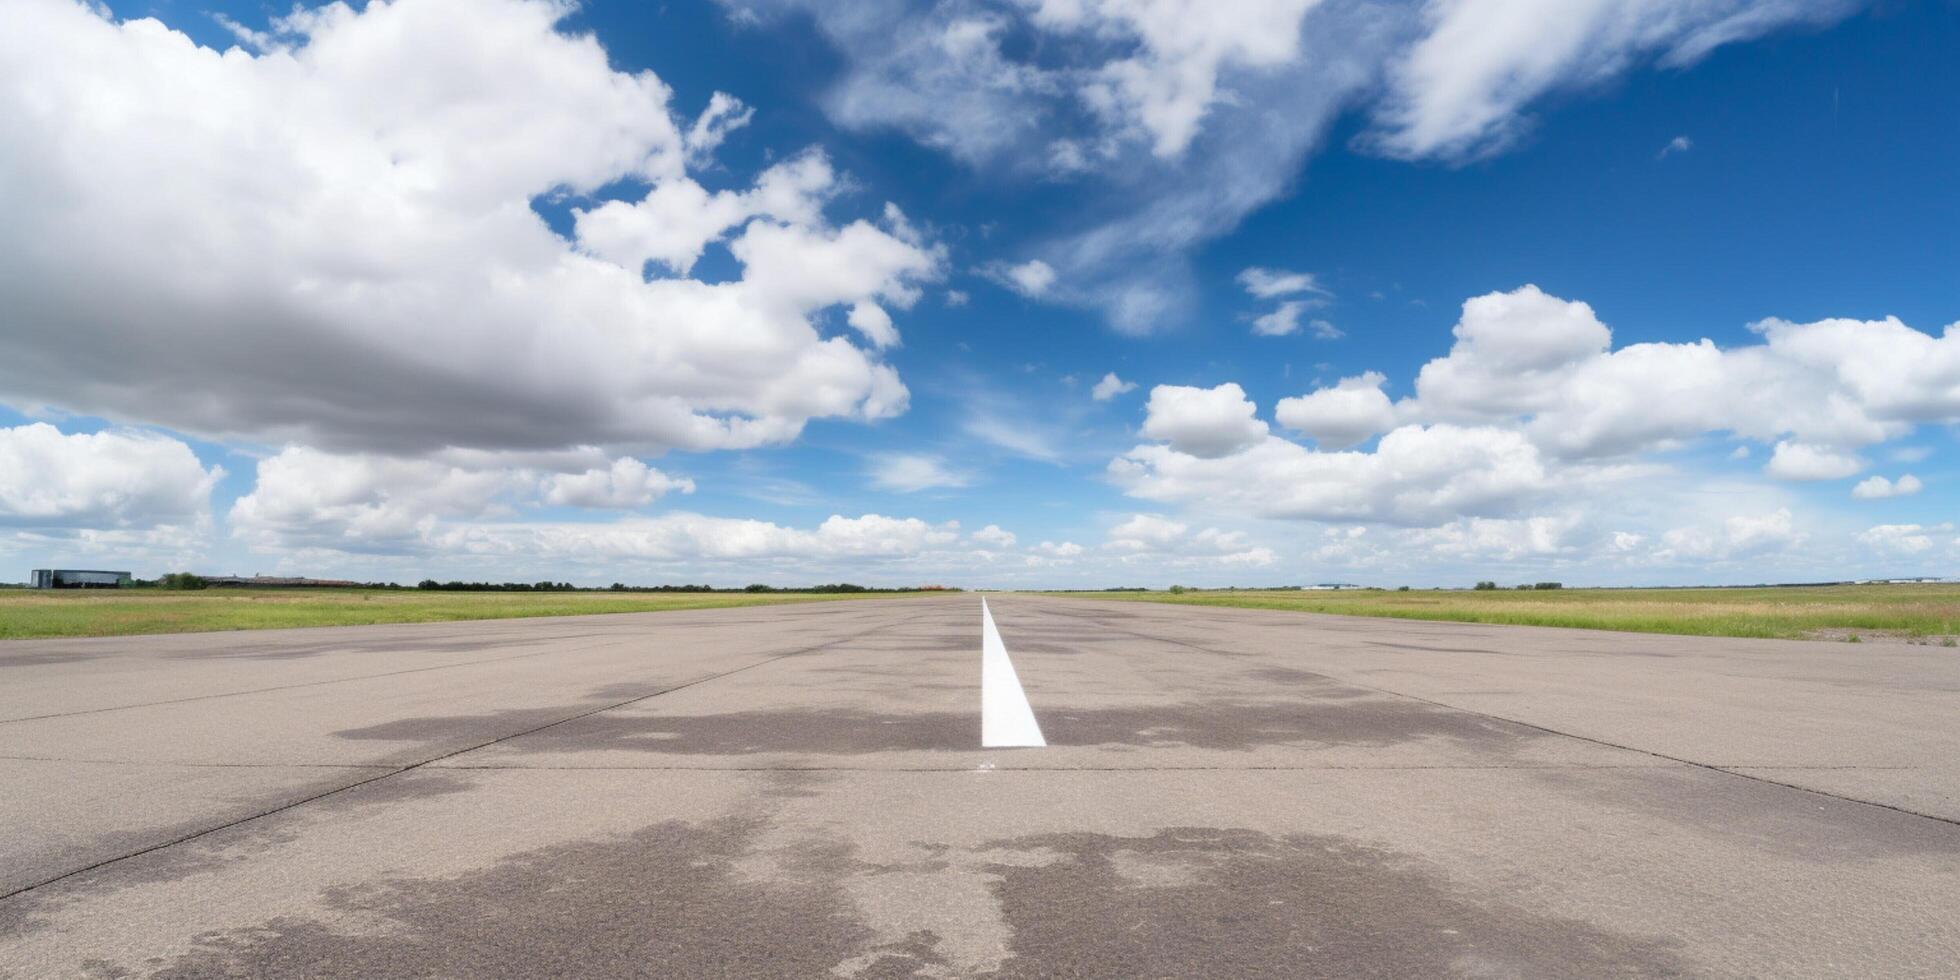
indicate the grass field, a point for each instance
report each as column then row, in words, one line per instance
column 1926, row 613
column 29, row 613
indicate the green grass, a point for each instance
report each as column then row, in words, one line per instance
column 1822, row 612
column 25, row 613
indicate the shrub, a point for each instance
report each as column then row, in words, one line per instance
column 1486, row 586
column 182, row 580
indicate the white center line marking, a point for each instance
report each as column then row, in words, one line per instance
column 1006, row 720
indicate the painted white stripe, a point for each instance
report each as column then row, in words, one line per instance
column 1006, row 720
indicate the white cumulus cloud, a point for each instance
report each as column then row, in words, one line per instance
column 1417, row 475
column 352, row 256
column 1281, row 321
column 1526, row 357
column 119, row 478
column 628, row 482
column 1801, row 461
column 371, row 503
column 1879, row 488
column 1351, row 412
column 912, row 472
column 1110, row 386
column 1031, row 278
column 993, row 537
column 1155, row 538
column 1203, row 422
column 1904, row 539
column 1059, row 549
column 1177, row 118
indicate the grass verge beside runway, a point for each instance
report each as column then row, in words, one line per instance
column 1924, row 613
column 30, row 613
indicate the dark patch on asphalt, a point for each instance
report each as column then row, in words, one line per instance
column 912, row 647
column 32, row 911
column 405, row 647
column 1287, row 675
column 420, row 784
column 463, row 729
column 668, row 900
column 1348, row 719
column 877, row 670
column 1191, row 902
column 19, row 915
column 1427, row 649
column 238, row 846
column 615, row 693
column 915, row 955
column 1781, row 819
column 1064, row 649
column 41, row 657
column 793, row 785
column 838, row 732
column 1356, row 721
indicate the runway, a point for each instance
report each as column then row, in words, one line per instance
column 802, row 791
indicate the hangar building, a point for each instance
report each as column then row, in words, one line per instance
column 78, row 578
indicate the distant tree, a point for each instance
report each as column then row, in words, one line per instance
column 1401, row 588
column 759, row 587
column 1486, row 586
column 1177, row 590
column 1549, row 585
column 182, row 580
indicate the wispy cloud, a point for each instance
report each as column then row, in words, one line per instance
column 1110, row 386
column 1013, row 435
column 913, row 472
column 1266, row 283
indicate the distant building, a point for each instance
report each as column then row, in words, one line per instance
column 278, row 582
column 78, row 578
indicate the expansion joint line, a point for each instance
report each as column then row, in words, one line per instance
column 411, row 767
column 284, row 687
column 1710, row 767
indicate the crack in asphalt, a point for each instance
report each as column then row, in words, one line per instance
column 168, row 764
column 359, row 677
column 441, row 760
column 990, row 770
column 292, row 687
column 411, row 767
column 1711, row 767
column 1315, row 767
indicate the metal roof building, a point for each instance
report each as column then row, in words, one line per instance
column 78, row 578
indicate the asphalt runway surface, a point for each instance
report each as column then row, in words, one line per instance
column 800, row 791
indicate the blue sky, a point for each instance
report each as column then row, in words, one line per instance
column 357, row 296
